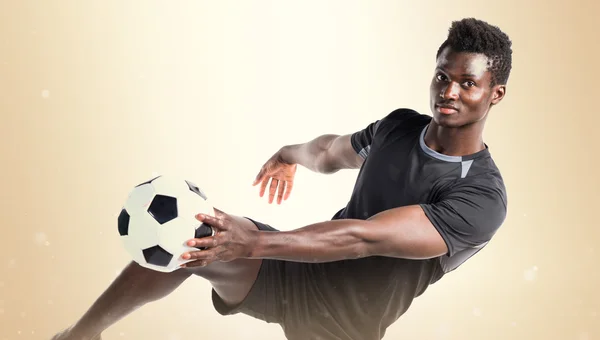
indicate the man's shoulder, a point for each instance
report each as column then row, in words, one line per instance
column 406, row 115
column 483, row 178
column 405, row 119
column 485, row 169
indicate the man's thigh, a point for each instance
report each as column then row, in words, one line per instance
column 232, row 281
column 249, row 286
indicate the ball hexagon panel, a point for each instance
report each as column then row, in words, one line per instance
column 165, row 269
column 173, row 236
column 139, row 199
column 190, row 204
column 143, row 233
column 176, row 233
column 170, row 186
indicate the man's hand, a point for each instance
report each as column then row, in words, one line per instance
column 281, row 174
column 229, row 242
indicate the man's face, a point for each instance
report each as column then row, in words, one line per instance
column 460, row 92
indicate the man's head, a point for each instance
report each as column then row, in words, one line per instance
column 472, row 68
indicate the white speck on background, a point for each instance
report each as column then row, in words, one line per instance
column 40, row 238
column 530, row 274
column 45, row 94
column 443, row 331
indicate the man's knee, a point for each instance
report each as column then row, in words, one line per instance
column 134, row 269
column 219, row 272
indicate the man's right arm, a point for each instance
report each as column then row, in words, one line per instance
column 325, row 154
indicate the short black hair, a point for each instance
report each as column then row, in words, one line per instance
column 477, row 36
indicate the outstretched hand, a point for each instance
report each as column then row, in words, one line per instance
column 229, row 242
column 281, row 176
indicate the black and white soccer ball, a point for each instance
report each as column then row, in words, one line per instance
column 158, row 218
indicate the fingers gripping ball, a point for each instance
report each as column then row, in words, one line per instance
column 159, row 217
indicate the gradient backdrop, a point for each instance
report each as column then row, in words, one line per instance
column 97, row 96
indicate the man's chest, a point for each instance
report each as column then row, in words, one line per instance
column 403, row 174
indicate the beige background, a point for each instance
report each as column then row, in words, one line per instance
column 97, row 96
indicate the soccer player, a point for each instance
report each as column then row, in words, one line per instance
column 428, row 197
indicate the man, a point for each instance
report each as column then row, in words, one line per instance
column 428, row 197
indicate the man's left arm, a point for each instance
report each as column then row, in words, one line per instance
column 403, row 232
column 466, row 217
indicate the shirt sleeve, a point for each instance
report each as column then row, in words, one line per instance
column 361, row 140
column 398, row 119
column 469, row 214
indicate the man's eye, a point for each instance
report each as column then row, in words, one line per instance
column 440, row 77
column 470, row 84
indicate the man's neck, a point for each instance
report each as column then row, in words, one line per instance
column 461, row 141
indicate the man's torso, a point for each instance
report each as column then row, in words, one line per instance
column 362, row 297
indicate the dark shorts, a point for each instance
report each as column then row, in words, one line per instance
column 317, row 300
column 264, row 299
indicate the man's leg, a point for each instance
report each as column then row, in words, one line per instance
column 137, row 286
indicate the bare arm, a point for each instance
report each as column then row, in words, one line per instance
column 403, row 232
column 324, row 154
column 466, row 218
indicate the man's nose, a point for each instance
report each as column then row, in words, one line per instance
column 450, row 91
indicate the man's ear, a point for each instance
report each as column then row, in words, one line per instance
column 499, row 92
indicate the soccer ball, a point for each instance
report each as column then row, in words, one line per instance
column 158, row 218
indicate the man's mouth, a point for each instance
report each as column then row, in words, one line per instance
column 446, row 109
